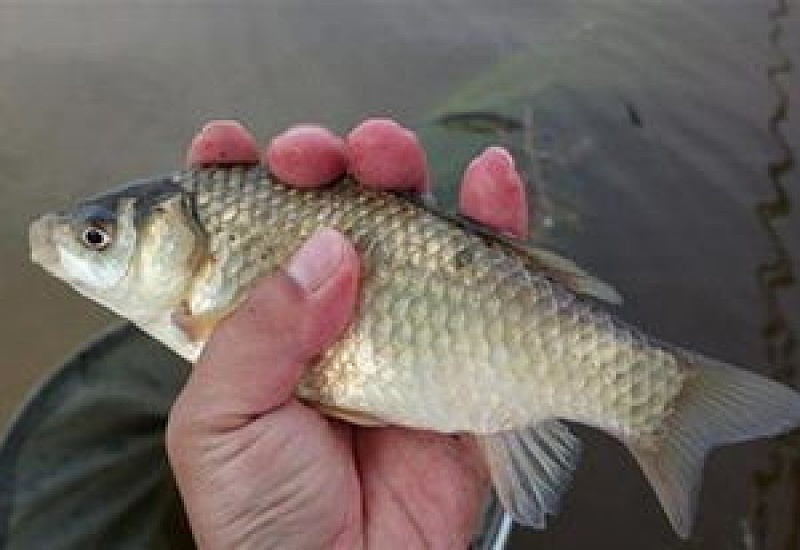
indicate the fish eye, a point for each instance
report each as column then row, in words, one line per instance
column 96, row 238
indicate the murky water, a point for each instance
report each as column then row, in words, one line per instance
column 663, row 136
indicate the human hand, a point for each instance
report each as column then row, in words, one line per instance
column 258, row 469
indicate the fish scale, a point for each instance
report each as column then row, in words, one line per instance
column 432, row 290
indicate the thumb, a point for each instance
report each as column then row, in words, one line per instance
column 256, row 356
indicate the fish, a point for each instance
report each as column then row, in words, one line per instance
column 458, row 330
column 480, row 122
column 633, row 114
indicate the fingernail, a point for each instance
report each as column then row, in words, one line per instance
column 501, row 154
column 317, row 260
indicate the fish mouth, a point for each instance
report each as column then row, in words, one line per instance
column 43, row 247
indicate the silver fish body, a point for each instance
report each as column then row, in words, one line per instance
column 456, row 330
column 450, row 321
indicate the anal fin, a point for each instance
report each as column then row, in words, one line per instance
column 531, row 469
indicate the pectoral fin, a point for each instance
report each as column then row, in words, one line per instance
column 198, row 327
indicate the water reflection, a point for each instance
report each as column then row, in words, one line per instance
column 775, row 277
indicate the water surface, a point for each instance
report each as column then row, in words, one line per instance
column 662, row 138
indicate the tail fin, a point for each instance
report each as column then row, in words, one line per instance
column 720, row 404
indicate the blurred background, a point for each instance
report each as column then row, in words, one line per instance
column 659, row 140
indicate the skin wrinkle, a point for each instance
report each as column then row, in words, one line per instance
column 425, row 518
column 340, row 540
column 280, row 502
column 341, row 439
column 431, row 497
column 464, row 461
column 431, row 506
column 401, row 505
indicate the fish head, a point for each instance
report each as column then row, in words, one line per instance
column 133, row 249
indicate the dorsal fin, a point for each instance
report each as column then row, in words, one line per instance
column 570, row 274
column 556, row 267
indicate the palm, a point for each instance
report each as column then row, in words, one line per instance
column 420, row 489
column 385, row 487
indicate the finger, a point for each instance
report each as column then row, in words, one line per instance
column 443, row 475
column 492, row 193
column 253, row 361
column 306, row 156
column 222, row 142
column 383, row 154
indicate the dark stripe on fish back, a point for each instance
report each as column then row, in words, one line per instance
column 148, row 193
